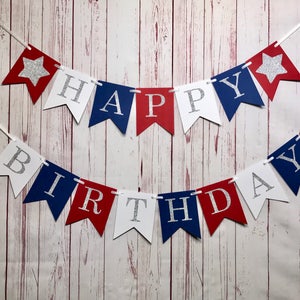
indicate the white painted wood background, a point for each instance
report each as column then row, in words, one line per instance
column 148, row 43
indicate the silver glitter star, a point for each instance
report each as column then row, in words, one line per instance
column 271, row 66
column 34, row 69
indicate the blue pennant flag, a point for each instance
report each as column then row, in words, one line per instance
column 234, row 87
column 53, row 184
column 178, row 210
column 286, row 161
column 112, row 101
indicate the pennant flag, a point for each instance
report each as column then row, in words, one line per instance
column 73, row 89
column 196, row 100
column 178, row 210
column 35, row 69
column 258, row 183
column 19, row 162
column 92, row 201
column 112, row 101
column 218, row 201
column 234, row 87
column 154, row 105
column 53, row 184
column 286, row 161
column 270, row 66
column 135, row 210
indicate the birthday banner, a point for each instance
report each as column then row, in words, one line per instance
column 136, row 210
column 113, row 101
column 153, row 105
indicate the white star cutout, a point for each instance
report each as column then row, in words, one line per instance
column 271, row 66
column 34, row 69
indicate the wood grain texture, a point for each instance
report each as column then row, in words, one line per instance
column 4, row 111
column 141, row 43
column 251, row 147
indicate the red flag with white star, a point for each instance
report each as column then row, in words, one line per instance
column 35, row 69
column 270, row 66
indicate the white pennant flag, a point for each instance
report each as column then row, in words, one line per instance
column 258, row 183
column 19, row 162
column 73, row 89
column 135, row 210
column 196, row 100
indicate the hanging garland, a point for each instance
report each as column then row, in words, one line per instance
column 93, row 200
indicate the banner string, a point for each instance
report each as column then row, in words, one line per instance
column 14, row 36
column 293, row 30
column 6, row 133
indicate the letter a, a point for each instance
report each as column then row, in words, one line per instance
column 117, row 104
column 255, row 187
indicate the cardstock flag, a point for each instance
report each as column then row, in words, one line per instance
column 92, row 201
column 154, row 105
column 196, row 100
column 234, row 87
column 286, row 161
column 53, row 184
column 135, row 210
column 178, row 210
column 112, row 101
column 73, row 89
column 19, row 162
column 258, row 183
column 35, row 69
column 219, row 201
column 270, row 66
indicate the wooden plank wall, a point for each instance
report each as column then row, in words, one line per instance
column 148, row 43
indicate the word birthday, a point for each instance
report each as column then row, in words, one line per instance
column 94, row 201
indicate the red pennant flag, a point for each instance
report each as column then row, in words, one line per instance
column 218, row 201
column 92, row 201
column 270, row 66
column 154, row 105
column 35, row 69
